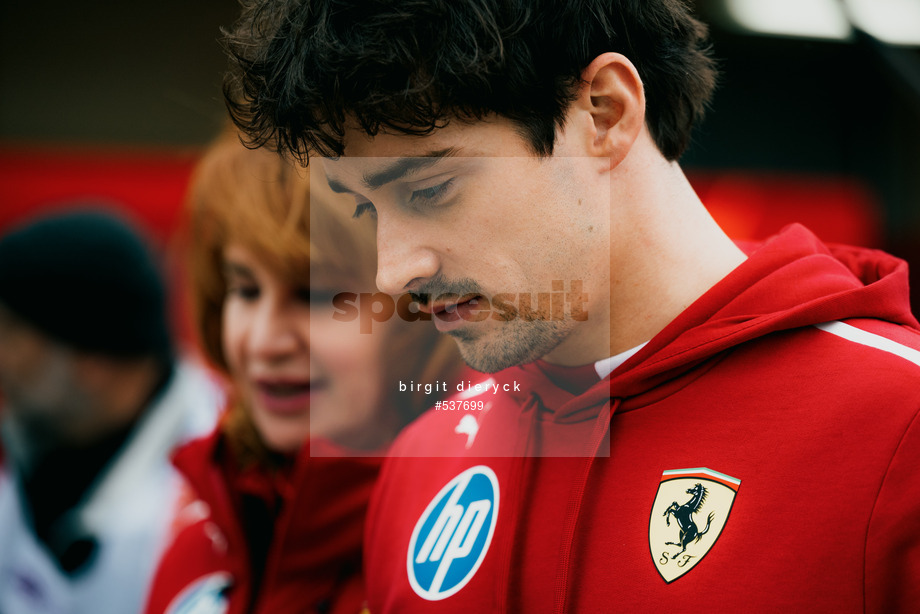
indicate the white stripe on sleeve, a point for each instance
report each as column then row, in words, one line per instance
column 857, row 335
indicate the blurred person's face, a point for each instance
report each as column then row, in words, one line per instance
column 328, row 385
column 41, row 385
column 471, row 211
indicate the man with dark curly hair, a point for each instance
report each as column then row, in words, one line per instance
column 519, row 158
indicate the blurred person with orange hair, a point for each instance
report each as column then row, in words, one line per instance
column 282, row 485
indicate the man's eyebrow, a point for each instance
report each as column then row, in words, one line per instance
column 397, row 170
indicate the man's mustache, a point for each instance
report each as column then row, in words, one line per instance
column 439, row 287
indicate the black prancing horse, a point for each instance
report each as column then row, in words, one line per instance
column 684, row 516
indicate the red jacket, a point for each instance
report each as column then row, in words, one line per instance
column 760, row 454
column 313, row 563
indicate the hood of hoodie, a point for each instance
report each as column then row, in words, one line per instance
column 789, row 281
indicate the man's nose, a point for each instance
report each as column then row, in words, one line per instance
column 404, row 262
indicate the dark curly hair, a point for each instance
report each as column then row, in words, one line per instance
column 300, row 68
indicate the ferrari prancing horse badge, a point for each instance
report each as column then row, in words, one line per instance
column 688, row 515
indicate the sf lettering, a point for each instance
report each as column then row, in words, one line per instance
column 666, row 558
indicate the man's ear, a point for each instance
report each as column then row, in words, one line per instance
column 611, row 105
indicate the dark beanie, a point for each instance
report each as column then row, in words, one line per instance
column 86, row 280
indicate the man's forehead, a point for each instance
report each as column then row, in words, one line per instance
column 370, row 160
column 480, row 134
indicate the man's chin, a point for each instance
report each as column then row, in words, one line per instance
column 488, row 363
column 495, row 350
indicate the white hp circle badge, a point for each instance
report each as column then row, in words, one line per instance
column 452, row 536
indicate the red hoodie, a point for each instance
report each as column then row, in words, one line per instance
column 760, row 454
column 313, row 559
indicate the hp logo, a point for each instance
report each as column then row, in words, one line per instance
column 453, row 535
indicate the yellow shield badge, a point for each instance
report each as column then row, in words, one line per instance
column 688, row 515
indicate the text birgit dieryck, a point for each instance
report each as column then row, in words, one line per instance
column 442, row 387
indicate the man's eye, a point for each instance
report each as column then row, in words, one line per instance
column 431, row 195
column 366, row 207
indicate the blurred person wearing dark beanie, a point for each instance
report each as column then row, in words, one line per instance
column 94, row 401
